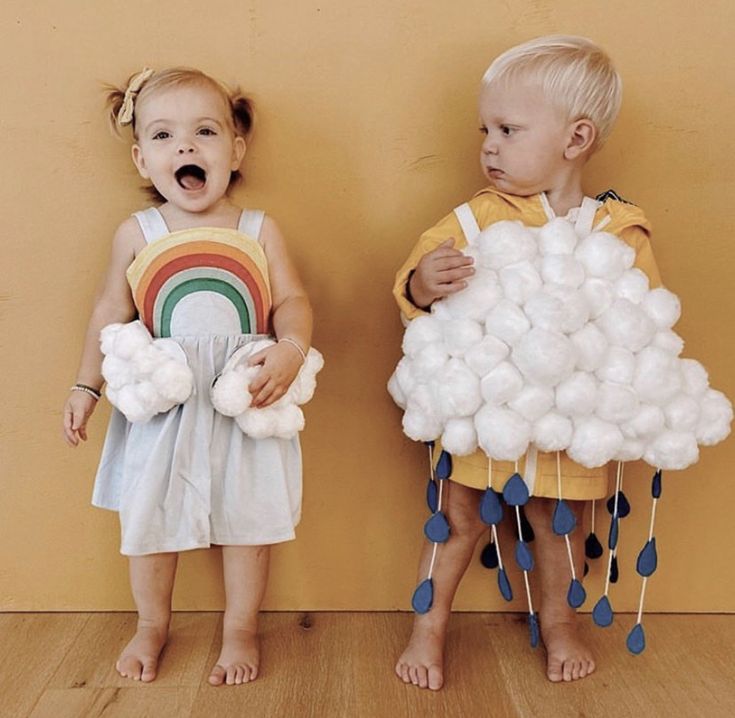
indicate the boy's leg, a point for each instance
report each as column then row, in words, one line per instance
column 152, row 581
column 567, row 658
column 422, row 663
column 246, row 575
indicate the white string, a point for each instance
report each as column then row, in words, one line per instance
column 494, row 533
column 645, row 578
column 439, row 505
column 433, row 559
column 592, row 530
column 622, row 474
column 489, row 473
column 566, row 536
column 615, row 511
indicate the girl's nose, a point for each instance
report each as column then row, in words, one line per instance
column 184, row 148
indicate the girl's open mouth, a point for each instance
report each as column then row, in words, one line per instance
column 191, row 177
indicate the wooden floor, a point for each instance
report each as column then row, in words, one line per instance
column 56, row 665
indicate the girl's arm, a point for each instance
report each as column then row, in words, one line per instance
column 113, row 303
column 292, row 320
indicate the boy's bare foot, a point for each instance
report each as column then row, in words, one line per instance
column 139, row 659
column 422, row 663
column 567, row 658
column 239, row 658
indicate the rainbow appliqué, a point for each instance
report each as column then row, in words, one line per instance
column 223, row 261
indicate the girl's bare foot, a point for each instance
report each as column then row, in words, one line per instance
column 139, row 659
column 567, row 657
column 239, row 658
column 422, row 663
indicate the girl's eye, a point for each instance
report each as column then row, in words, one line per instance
column 161, row 135
column 207, row 132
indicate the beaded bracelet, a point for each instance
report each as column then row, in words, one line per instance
column 296, row 344
column 87, row 390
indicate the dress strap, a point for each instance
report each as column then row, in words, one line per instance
column 152, row 224
column 586, row 216
column 251, row 222
column 467, row 222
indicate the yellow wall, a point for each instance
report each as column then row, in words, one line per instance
column 366, row 135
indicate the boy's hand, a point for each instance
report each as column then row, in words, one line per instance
column 77, row 410
column 441, row 272
column 280, row 364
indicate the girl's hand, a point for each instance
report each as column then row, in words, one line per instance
column 439, row 273
column 77, row 410
column 280, row 364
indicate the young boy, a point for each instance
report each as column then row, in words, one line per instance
column 545, row 107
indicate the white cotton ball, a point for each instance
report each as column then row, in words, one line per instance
column 545, row 357
column 604, row 255
column 631, row 450
column 303, row 387
column 557, row 237
column 421, row 332
column 107, row 337
column 695, row 380
column 669, row 341
column 682, row 413
column 545, row 311
column 131, row 339
column 150, row 398
column 482, row 293
column 404, row 375
column 422, row 399
column 648, row 421
column 504, row 243
column 656, row 377
column 632, row 285
column 258, row 423
column 135, row 407
column 395, row 390
column 595, row 442
column 501, row 384
column 672, row 450
column 532, row 402
column 576, row 311
column 147, row 359
column 599, row 295
column 426, row 363
column 507, row 322
column 519, row 281
column 502, row 434
column 289, row 421
column 663, row 307
column 460, row 335
column 420, row 426
column 112, row 395
column 170, row 348
column 562, row 269
column 459, row 437
column 117, row 372
column 486, row 355
column 618, row 365
column 230, row 394
column 440, row 312
column 625, row 324
column 552, row 432
column 576, row 395
column 591, row 347
column 616, row 403
column 714, row 419
column 457, row 390
column 174, row 381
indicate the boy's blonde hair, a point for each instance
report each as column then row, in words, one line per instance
column 573, row 72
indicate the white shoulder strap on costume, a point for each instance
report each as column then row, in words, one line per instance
column 586, row 216
column 468, row 222
column 251, row 222
column 152, row 224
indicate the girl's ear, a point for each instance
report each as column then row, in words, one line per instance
column 581, row 138
column 238, row 152
column 139, row 161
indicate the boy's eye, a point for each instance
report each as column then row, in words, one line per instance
column 506, row 130
column 206, row 131
column 483, row 130
column 161, row 135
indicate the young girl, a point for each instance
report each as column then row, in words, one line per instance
column 189, row 477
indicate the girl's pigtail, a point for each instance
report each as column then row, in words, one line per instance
column 114, row 98
column 243, row 113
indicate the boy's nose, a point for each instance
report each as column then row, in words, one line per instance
column 185, row 148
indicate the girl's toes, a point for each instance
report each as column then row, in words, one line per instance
column 217, row 676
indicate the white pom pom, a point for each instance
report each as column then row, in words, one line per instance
column 672, row 450
column 663, row 307
column 591, row 347
column 147, row 358
column 545, row 357
column 577, row 395
column 303, row 387
column 107, row 337
column 695, row 380
column 616, row 403
column 669, row 341
column 714, row 419
column 507, row 322
column 631, row 450
column 625, row 324
column 599, row 294
column 486, row 355
column 440, row 312
column 519, row 281
column 258, row 423
column 130, row 339
column 604, row 255
column 682, row 413
column 482, row 293
column 504, row 243
column 595, row 442
column 431, row 359
column 501, row 384
column 576, row 310
column 395, row 390
column 136, row 408
column 552, row 432
column 174, row 381
column 502, row 434
column 421, row 332
column 632, row 285
column 230, row 395
column 656, row 378
column 648, row 421
column 457, row 390
column 617, row 366
column 545, row 311
column 117, row 372
column 289, row 421
column 420, row 426
column 405, row 377
column 557, row 237
column 562, row 269
column 459, row 437
column 460, row 335
column 532, row 402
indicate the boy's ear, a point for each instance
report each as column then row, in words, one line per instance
column 139, row 161
column 582, row 136
column 238, row 152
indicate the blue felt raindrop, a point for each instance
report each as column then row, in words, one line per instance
column 563, row 520
column 602, row 613
column 623, row 505
column 647, row 558
column 444, row 466
column 504, row 585
column 526, row 529
column 656, row 485
column 436, row 529
column 636, row 640
column 576, row 595
column 524, row 557
column 612, row 538
column 491, row 510
column 423, row 596
column 432, row 496
column 515, row 491
column 592, row 546
column 533, row 629
column 489, row 556
column 614, row 573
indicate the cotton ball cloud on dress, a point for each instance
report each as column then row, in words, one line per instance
column 559, row 342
